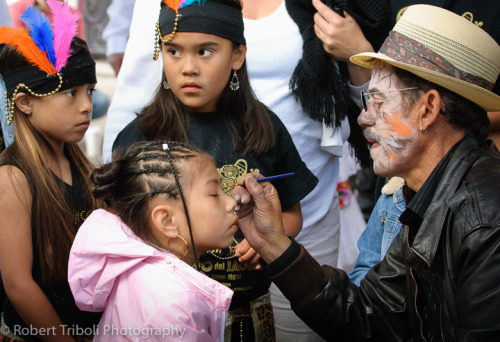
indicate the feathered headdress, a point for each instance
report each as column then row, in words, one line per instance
column 64, row 21
column 44, row 43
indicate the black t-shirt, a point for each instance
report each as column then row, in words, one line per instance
column 59, row 294
column 483, row 13
column 209, row 133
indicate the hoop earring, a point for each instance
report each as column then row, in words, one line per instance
column 166, row 85
column 187, row 247
column 422, row 130
column 234, row 84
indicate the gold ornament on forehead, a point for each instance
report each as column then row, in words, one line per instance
column 158, row 36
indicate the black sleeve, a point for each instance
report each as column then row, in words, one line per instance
column 291, row 189
column 325, row 299
column 128, row 136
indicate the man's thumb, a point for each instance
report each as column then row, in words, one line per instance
column 261, row 192
column 254, row 188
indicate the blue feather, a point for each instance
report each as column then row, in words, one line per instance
column 191, row 2
column 40, row 31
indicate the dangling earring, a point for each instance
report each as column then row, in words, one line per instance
column 166, row 85
column 185, row 242
column 234, row 84
column 9, row 110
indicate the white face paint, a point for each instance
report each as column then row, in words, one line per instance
column 391, row 130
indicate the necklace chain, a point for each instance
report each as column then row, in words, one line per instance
column 232, row 253
column 222, row 258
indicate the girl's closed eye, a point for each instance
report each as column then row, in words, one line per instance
column 214, row 192
column 215, row 189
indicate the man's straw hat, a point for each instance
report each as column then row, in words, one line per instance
column 443, row 48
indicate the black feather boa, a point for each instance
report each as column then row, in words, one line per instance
column 316, row 83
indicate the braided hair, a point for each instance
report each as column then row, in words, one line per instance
column 145, row 170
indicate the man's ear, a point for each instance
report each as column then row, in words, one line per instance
column 433, row 106
column 162, row 220
column 24, row 103
column 239, row 55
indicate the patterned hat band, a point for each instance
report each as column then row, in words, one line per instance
column 443, row 48
column 407, row 50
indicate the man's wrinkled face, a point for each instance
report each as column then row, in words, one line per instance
column 390, row 128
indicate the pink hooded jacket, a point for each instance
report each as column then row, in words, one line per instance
column 146, row 294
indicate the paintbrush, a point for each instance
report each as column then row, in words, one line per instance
column 264, row 179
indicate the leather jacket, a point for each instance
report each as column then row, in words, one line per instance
column 444, row 287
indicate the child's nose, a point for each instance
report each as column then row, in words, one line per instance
column 231, row 204
column 190, row 65
column 86, row 104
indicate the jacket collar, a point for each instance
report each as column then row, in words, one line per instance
column 427, row 239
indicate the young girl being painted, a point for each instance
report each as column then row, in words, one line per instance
column 49, row 78
column 205, row 99
column 136, row 265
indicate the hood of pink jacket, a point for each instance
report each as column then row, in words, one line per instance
column 105, row 248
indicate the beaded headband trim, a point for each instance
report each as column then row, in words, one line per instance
column 208, row 17
column 79, row 70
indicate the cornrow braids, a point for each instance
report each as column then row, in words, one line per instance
column 167, row 151
column 146, row 169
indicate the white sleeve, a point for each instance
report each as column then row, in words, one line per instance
column 139, row 75
column 117, row 29
column 5, row 19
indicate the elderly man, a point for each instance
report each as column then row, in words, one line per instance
column 425, row 117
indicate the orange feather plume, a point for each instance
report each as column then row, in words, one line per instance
column 24, row 44
column 173, row 4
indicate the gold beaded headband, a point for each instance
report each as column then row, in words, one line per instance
column 79, row 70
column 159, row 37
column 10, row 111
